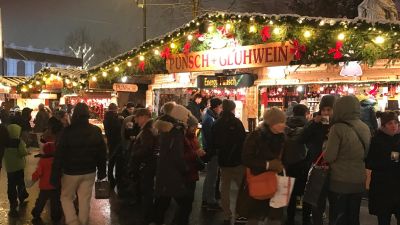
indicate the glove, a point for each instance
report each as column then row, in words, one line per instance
column 275, row 165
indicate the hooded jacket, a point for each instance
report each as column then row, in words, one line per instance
column 344, row 151
column 44, row 167
column 15, row 151
column 171, row 169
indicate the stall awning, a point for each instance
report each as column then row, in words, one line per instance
column 12, row 81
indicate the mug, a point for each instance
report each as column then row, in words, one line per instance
column 395, row 156
column 325, row 120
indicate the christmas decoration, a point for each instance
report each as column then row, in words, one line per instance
column 297, row 49
column 141, row 66
column 186, row 48
column 265, row 33
column 166, row 53
column 374, row 90
column 337, row 54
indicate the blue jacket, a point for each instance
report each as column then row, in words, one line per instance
column 208, row 121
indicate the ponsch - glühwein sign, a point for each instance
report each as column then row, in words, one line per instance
column 271, row 54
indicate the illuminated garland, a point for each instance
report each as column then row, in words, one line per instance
column 360, row 40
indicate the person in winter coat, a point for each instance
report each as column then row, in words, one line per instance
column 47, row 190
column 194, row 106
column 368, row 115
column 14, row 162
column 80, row 151
column 346, row 150
column 192, row 154
column 228, row 136
column 144, row 160
column 172, row 168
column 384, row 195
column 41, row 119
column 128, row 110
column 298, row 169
column 261, row 152
column 112, row 127
column 209, row 186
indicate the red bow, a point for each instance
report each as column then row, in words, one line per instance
column 186, row 48
column 265, row 33
column 222, row 30
column 297, row 49
column 336, row 50
column 166, row 53
column 374, row 90
column 141, row 66
column 199, row 36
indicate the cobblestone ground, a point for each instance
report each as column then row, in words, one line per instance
column 114, row 211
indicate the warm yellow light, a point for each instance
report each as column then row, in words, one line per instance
column 307, row 34
column 379, row 40
column 341, row 36
column 210, row 28
column 228, row 26
column 67, row 81
column 129, row 63
column 173, row 45
column 252, row 29
column 44, row 78
column 30, row 86
column 141, row 58
column 37, row 82
column 190, row 37
column 24, row 89
column 74, row 84
column 157, row 52
column 59, row 78
column 104, row 74
column 277, row 30
column 94, row 79
column 116, row 69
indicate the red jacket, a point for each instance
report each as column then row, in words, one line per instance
column 191, row 146
column 43, row 170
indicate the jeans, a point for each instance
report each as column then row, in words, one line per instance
column 184, row 210
column 82, row 185
column 55, row 204
column 210, row 181
column 16, row 188
column 229, row 175
column 346, row 208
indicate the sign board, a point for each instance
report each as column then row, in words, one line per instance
column 54, row 84
column 263, row 55
column 43, row 96
column 125, row 87
column 236, row 81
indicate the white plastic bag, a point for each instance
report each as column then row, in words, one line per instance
column 284, row 191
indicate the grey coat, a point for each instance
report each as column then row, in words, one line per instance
column 344, row 151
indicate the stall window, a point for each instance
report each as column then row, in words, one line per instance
column 3, row 64
column 20, row 68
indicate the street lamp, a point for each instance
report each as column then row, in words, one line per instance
column 142, row 4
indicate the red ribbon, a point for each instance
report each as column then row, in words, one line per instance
column 141, row 66
column 186, row 48
column 166, row 53
column 266, row 33
column 337, row 54
column 374, row 91
column 297, row 49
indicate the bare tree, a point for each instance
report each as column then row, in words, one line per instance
column 79, row 43
column 106, row 49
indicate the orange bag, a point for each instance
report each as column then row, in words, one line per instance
column 262, row 186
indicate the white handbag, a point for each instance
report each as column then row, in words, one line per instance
column 284, row 191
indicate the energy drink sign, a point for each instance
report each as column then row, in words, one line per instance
column 236, row 81
column 263, row 55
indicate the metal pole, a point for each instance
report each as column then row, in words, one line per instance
column 144, row 20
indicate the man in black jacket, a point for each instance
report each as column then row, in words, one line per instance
column 228, row 137
column 79, row 152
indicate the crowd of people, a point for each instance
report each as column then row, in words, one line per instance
column 154, row 160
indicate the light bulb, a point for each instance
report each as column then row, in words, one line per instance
column 300, row 89
column 104, row 74
column 94, row 79
column 341, row 36
column 74, row 84
column 173, row 45
column 277, row 30
column 307, row 34
column 67, row 81
column 44, row 78
column 37, row 82
column 124, row 79
column 228, row 26
column 129, row 63
column 379, row 40
column 156, row 52
column 30, row 86
column 141, row 58
column 210, row 28
column 252, row 29
column 190, row 37
column 116, row 69
column 24, row 89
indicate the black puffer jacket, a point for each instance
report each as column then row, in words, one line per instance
column 80, row 150
column 112, row 127
column 228, row 137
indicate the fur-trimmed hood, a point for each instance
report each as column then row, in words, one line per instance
column 166, row 123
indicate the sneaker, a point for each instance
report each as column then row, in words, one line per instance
column 240, row 220
column 13, row 213
column 214, row 207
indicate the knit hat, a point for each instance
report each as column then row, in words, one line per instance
column 228, row 105
column 327, row 101
column 274, row 116
column 388, row 116
column 112, row 107
column 179, row 112
column 300, row 110
column 167, row 107
column 215, row 102
column 192, row 121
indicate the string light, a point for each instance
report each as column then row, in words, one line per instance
column 129, row 63
column 30, row 86
column 173, row 45
column 156, row 52
column 379, row 40
column 252, row 29
column 276, row 30
column 74, row 84
column 141, row 58
column 116, row 69
column 104, row 74
column 94, row 79
column 37, row 82
column 44, row 78
column 307, row 34
column 210, row 28
column 190, row 37
column 228, row 26
column 341, row 36
column 67, row 81
column 124, row 79
column 23, row 89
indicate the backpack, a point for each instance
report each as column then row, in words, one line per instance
column 294, row 151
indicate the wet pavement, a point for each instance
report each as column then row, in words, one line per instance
column 115, row 211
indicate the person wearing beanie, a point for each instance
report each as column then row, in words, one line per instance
column 261, row 152
column 228, row 136
column 81, row 152
column 171, row 168
column 384, row 196
column 210, row 182
column 128, row 110
column 315, row 133
column 346, row 150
